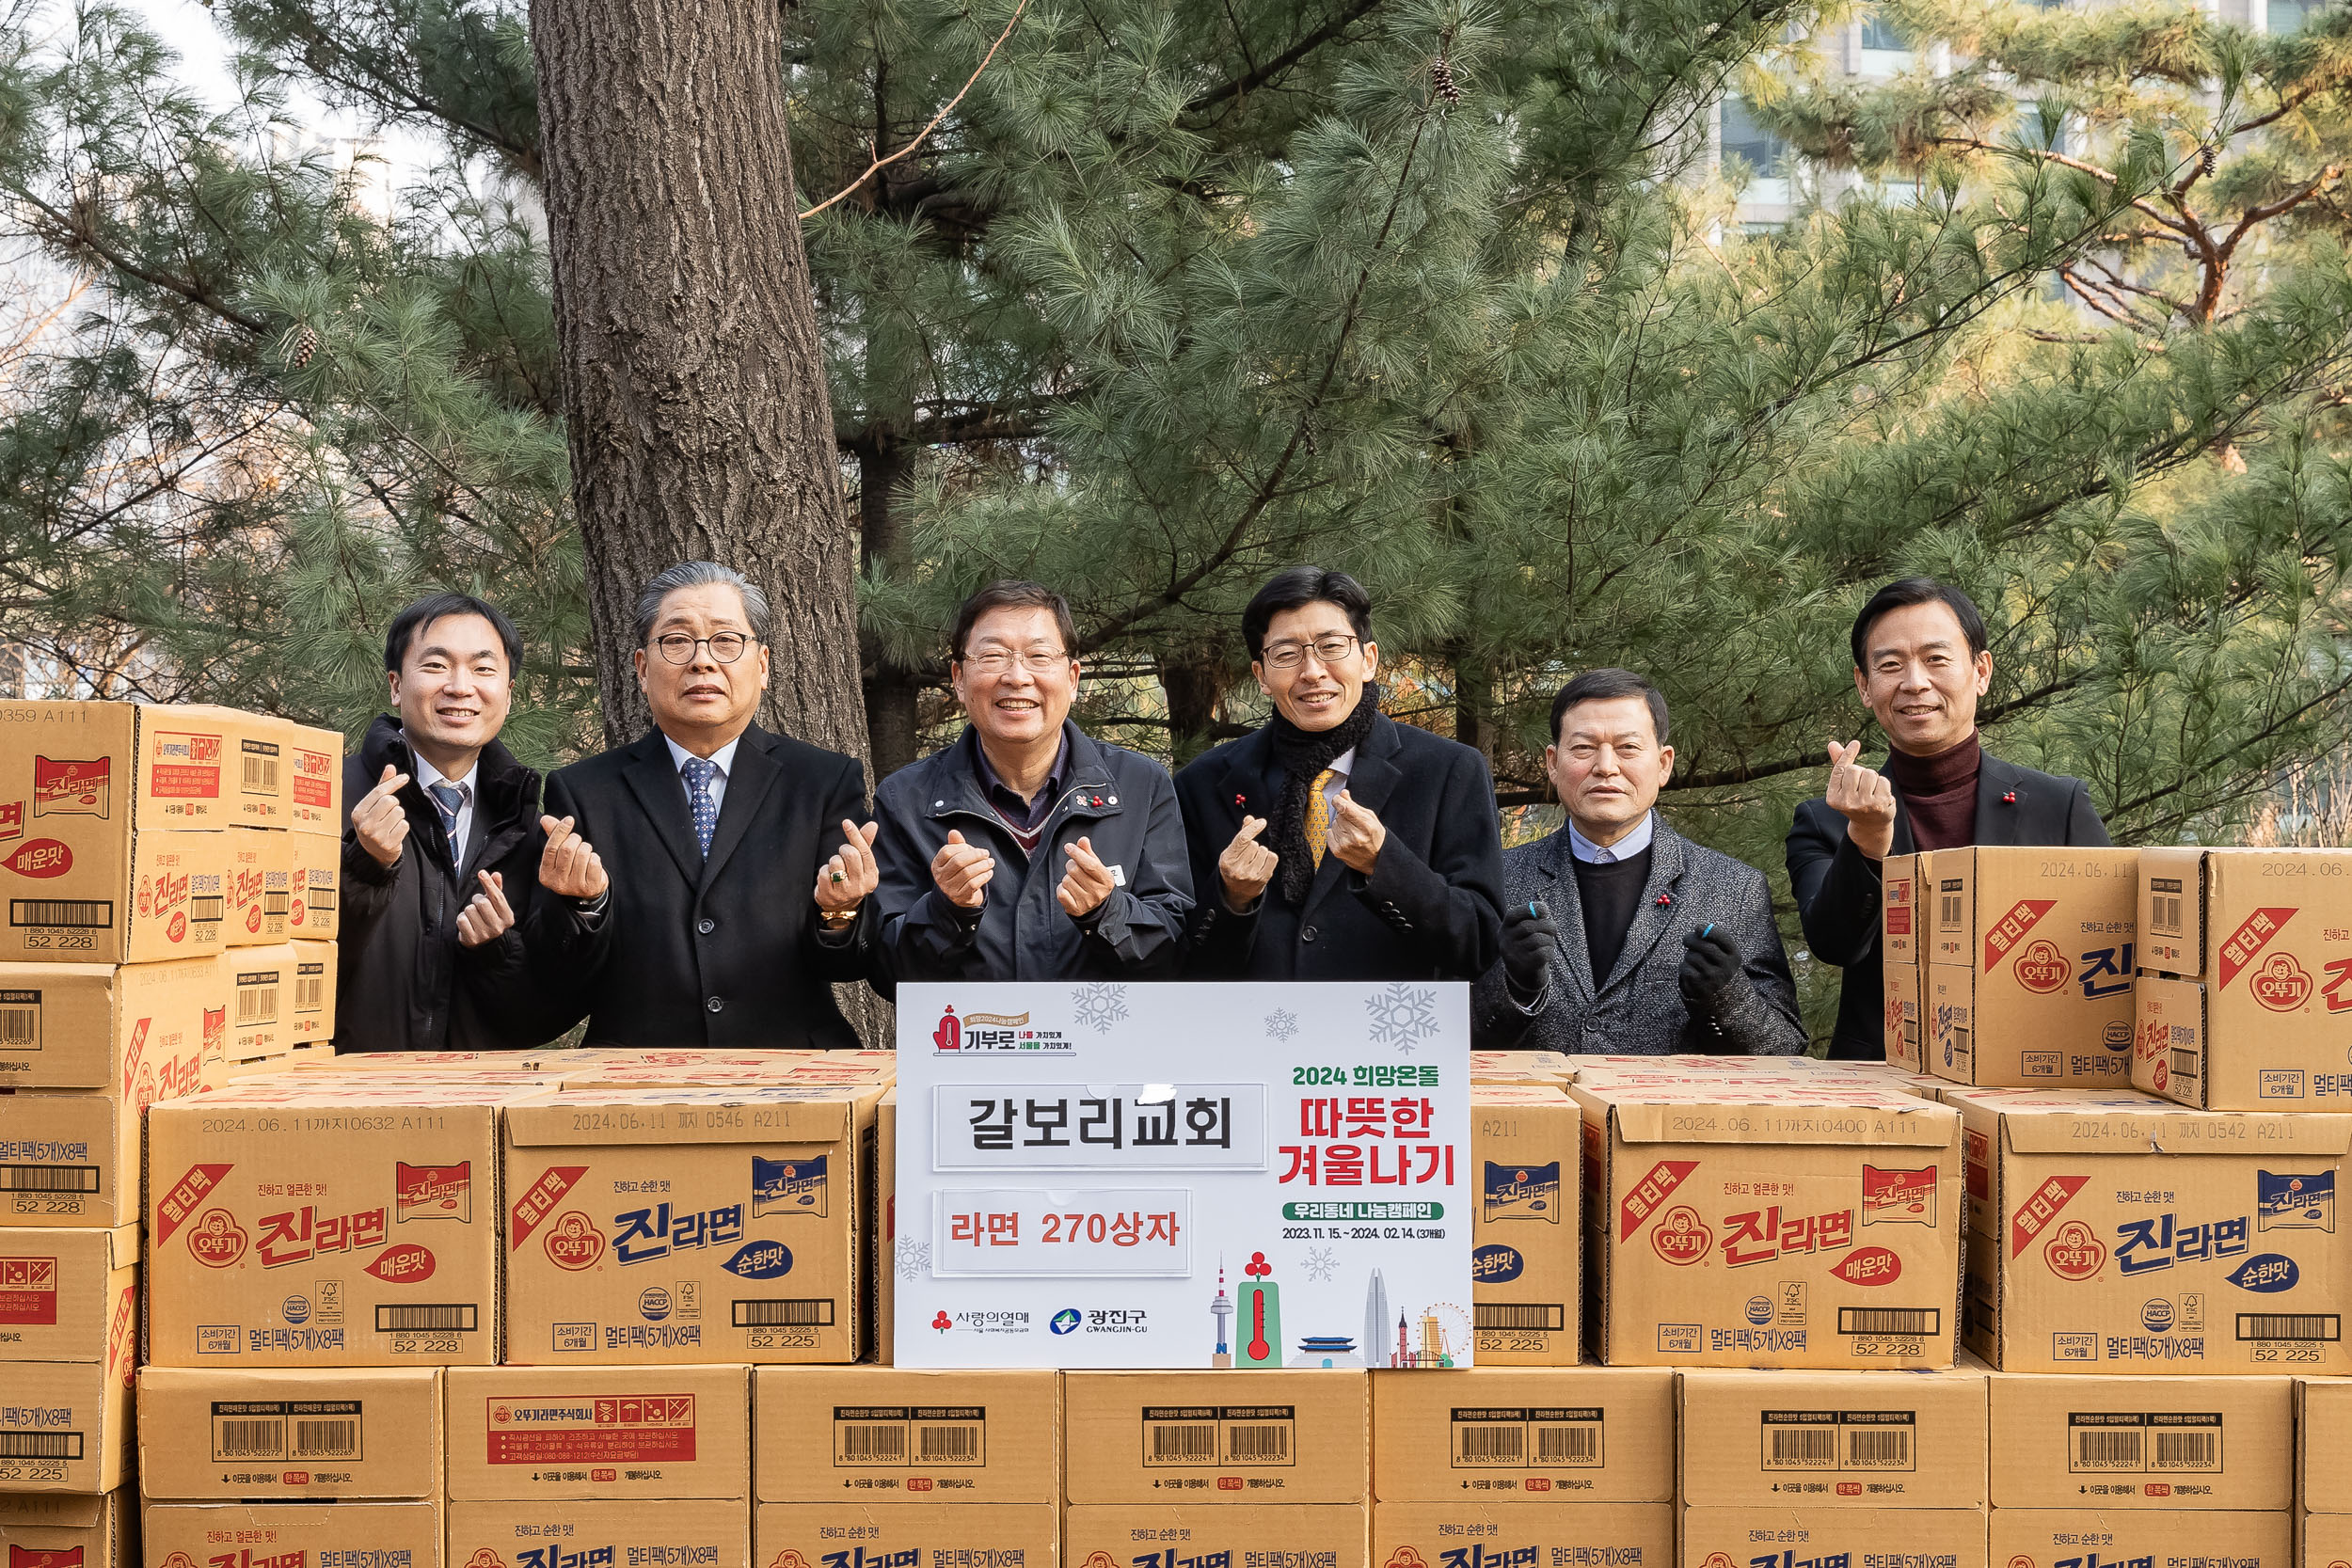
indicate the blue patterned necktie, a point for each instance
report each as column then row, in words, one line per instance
column 449, row 799
column 699, row 771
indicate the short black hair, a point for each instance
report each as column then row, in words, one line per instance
column 412, row 622
column 1602, row 685
column 1011, row 594
column 1297, row 588
column 1905, row 591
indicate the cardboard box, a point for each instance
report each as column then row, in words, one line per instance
column 2115, row 1232
column 1216, row 1437
column 313, row 1018
column 2123, row 1535
column 1745, row 1224
column 1525, row 1236
column 2323, row 1448
column 887, row 1434
column 2321, row 1540
column 686, row 1224
column 1790, row 1533
column 1905, row 1033
column 293, row 1535
column 1514, row 1434
column 867, row 1534
column 293, row 1226
column 2130, row 1442
column 92, row 774
column 885, row 1227
column 1553, row 1065
column 520, row 1434
column 315, row 886
column 139, row 1030
column 152, row 896
column 67, row 1295
column 53, row 1530
column 65, row 1426
column 2030, row 973
column 1479, row 1531
column 262, row 1014
column 314, row 780
column 1823, row 1441
column 1169, row 1535
column 71, row 1157
column 1901, row 941
column 259, row 884
column 209, row 1435
column 2259, row 948
column 260, row 776
column 550, row 1533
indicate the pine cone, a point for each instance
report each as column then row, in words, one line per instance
column 1441, row 81
column 306, row 345
column 2208, row 156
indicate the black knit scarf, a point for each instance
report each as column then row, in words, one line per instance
column 1303, row 754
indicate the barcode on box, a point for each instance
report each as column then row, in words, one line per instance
column 80, row 915
column 286, row 1431
column 1519, row 1317
column 1839, row 1440
column 1890, row 1320
column 40, row 1445
column 207, row 905
column 48, row 1179
column 460, row 1317
column 19, row 1021
column 2163, row 905
column 784, row 1312
column 1554, row 1437
column 910, row 1434
column 259, row 773
column 2112, row 1442
column 1260, row 1434
column 322, row 896
column 310, row 987
column 1948, row 903
column 257, row 997
column 2185, row 1061
column 2300, row 1326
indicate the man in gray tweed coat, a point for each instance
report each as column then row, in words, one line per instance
column 1619, row 934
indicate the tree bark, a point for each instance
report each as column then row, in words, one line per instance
column 1193, row 678
column 893, row 695
column 694, row 392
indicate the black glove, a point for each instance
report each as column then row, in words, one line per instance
column 1710, row 967
column 1529, row 939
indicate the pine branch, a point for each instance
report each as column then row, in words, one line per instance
column 920, row 137
column 1249, row 80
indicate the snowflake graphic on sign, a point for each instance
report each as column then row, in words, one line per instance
column 1402, row 1017
column 1101, row 1006
column 914, row 1259
column 1281, row 1025
column 1321, row 1264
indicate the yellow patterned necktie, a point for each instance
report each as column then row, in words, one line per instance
column 1319, row 813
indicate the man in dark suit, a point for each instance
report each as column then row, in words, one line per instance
column 1920, row 664
column 1333, row 843
column 709, row 824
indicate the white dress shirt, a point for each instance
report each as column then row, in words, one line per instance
column 461, row 838
column 723, row 758
column 1623, row 850
column 1340, row 767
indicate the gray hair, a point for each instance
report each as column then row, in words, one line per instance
column 696, row 573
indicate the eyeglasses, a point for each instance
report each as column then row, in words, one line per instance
column 1289, row 655
column 996, row 661
column 725, row 647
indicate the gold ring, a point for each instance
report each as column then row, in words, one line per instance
column 839, row 877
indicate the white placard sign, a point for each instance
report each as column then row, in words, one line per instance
column 1184, row 1176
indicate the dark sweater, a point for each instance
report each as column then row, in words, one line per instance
column 1940, row 793
column 1611, row 891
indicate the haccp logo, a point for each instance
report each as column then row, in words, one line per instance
column 2282, row 984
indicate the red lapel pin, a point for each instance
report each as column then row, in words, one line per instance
column 1240, row 799
column 1665, row 899
column 2010, row 799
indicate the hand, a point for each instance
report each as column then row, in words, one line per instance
column 843, row 882
column 961, row 871
column 1356, row 835
column 569, row 866
column 1711, row 965
column 488, row 914
column 378, row 821
column 1086, row 884
column 1865, row 798
column 1530, row 937
column 1246, row 865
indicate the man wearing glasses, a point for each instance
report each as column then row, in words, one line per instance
column 1335, row 844
column 667, row 903
column 1027, row 851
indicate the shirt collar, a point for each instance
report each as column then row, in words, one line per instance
column 1623, row 850
column 1055, row 777
column 723, row 758
column 1344, row 763
column 427, row 775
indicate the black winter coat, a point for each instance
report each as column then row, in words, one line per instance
column 402, row 982
column 723, row 952
column 1838, row 886
column 1431, row 908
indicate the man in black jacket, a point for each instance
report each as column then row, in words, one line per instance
column 1333, row 843
column 1028, row 850
column 701, row 934
column 1920, row 664
column 441, row 847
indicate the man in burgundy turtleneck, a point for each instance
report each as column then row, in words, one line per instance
column 1920, row 666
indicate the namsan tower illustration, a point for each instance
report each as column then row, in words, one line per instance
column 1221, row 1308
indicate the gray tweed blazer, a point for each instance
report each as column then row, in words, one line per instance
column 1637, row 1008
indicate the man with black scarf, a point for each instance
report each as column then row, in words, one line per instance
column 1333, row 843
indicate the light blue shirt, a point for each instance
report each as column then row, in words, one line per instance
column 1625, row 848
column 723, row 758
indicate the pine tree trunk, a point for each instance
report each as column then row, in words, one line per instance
column 893, row 695
column 693, row 384
column 1194, row 681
